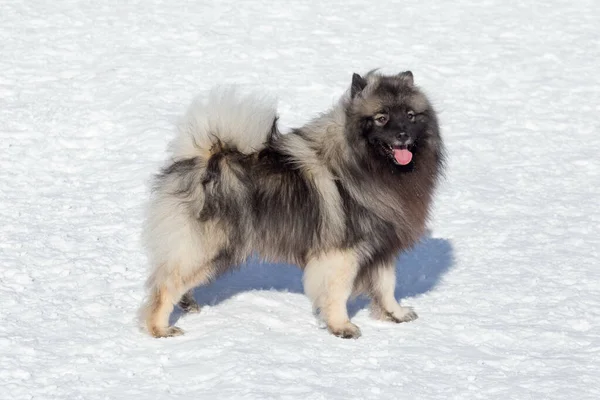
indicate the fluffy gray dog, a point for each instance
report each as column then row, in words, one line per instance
column 340, row 197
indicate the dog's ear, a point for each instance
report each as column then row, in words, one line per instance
column 407, row 77
column 358, row 84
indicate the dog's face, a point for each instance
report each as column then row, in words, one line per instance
column 392, row 116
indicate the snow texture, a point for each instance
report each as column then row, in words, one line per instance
column 507, row 284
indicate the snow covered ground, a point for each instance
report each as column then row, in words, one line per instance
column 507, row 285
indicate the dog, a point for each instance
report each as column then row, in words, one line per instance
column 341, row 197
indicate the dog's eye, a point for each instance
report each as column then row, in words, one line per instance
column 381, row 119
column 411, row 115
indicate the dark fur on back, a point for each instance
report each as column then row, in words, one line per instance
column 285, row 207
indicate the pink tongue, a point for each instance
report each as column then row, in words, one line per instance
column 402, row 156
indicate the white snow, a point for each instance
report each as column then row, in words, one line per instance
column 507, row 286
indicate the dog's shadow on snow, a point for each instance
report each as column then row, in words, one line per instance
column 417, row 272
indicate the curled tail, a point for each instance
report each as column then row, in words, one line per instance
column 226, row 120
column 205, row 180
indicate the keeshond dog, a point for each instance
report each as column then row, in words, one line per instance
column 340, row 197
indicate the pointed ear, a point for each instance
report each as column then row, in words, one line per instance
column 358, row 84
column 407, row 77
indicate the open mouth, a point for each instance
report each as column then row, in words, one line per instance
column 402, row 154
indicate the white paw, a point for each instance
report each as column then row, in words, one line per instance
column 403, row 314
column 171, row 331
column 346, row 331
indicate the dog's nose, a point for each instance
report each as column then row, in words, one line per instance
column 402, row 139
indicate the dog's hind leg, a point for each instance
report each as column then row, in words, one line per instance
column 157, row 311
column 188, row 302
column 164, row 294
column 328, row 282
column 384, row 305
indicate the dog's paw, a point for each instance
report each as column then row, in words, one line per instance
column 191, row 308
column 171, row 331
column 406, row 314
column 345, row 331
column 188, row 304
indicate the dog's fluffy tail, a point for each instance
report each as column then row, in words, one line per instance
column 227, row 119
column 191, row 188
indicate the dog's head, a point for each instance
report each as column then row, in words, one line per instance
column 391, row 116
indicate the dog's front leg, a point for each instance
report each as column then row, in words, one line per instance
column 328, row 282
column 384, row 305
